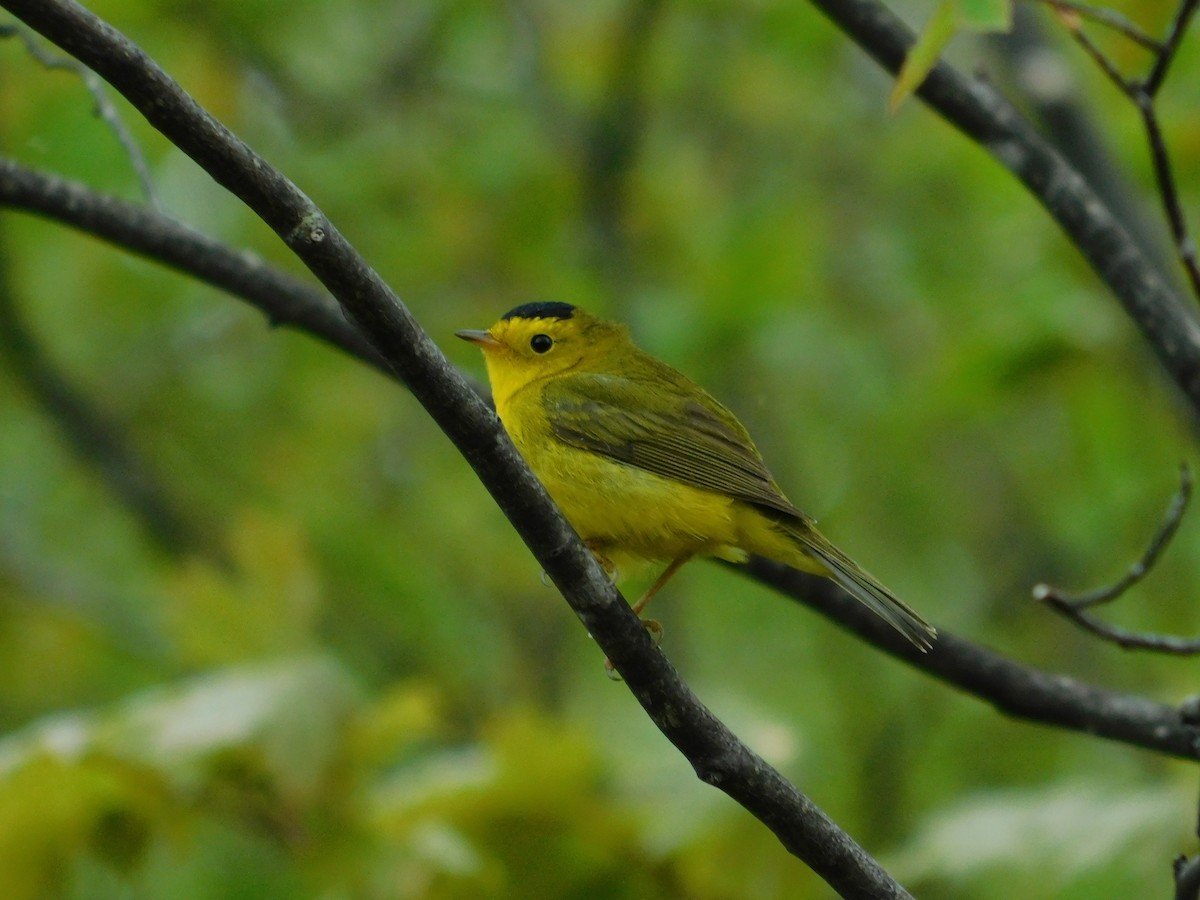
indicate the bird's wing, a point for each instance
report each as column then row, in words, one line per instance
column 667, row 426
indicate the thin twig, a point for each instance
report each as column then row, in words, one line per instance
column 1074, row 607
column 1106, row 65
column 1052, row 97
column 1179, row 25
column 1142, row 94
column 1170, row 644
column 1185, row 247
column 1110, row 19
column 104, row 106
column 1166, row 531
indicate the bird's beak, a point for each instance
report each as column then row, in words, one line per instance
column 482, row 339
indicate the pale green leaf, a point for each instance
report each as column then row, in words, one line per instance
column 923, row 55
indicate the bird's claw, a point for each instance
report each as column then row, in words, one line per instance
column 654, row 627
column 609, row 567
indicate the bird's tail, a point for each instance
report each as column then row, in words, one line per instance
column 861, row 585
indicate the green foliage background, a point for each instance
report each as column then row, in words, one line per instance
column 378, row 698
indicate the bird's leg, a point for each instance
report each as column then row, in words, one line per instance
column 667, row 575
column 653, row 626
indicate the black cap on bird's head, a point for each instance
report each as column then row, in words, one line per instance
column 541, row 310
column 544, row 337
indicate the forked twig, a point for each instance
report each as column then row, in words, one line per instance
column 1110, row 19
column 1142, row 93
column 1075, row 607
column 1183, row 15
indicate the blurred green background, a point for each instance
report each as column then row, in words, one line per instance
column 367, row 692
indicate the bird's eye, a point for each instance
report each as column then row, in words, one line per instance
column 540, row 343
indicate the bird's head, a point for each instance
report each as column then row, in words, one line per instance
column 540, row 340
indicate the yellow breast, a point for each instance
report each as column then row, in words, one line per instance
column 619, row 509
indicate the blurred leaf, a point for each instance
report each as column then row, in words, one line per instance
column 256, row 745
column 402, row 716
column 923, row 55
column 1050, row 836
column 950, row 17
column 53, row 809
column 284, row 719
column 485, row 819
column 267, row 605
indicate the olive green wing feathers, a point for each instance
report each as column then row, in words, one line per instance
column 665, row 425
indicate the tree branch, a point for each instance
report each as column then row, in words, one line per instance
column 283, row 299
column 716, row 754
column 979, row 111
column 1018, row 690
column 1050, row 94
column 1142, row 94
column 1075, row 608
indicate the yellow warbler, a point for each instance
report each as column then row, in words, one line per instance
column 644, row 463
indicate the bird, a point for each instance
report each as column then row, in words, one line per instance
column 645, row 464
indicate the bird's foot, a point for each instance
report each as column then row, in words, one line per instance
column 609, row 567
column 655, row 629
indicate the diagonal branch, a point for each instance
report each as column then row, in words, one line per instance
column 716, row 753
column 283, row 299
